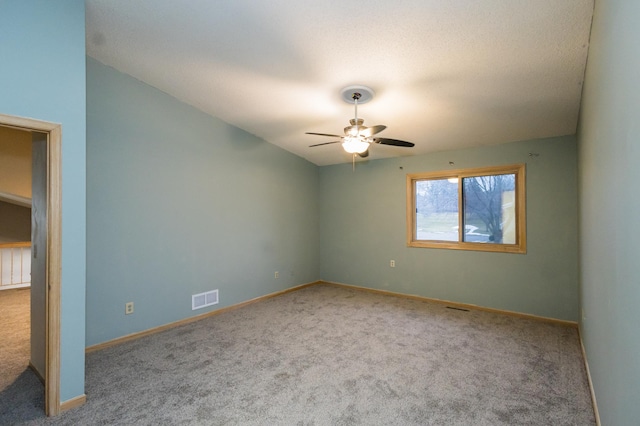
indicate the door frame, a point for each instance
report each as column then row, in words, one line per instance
column 54, row 251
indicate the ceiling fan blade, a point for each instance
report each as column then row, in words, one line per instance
column 323, row 134
column 370, row 131
column 326, row 143
column 394, row 142
column 364, row 154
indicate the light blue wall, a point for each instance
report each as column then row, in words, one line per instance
column 609, row 158
column 363, row 226
column 179, row 203
column 42, row 54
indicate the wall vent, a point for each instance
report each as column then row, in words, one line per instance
column 457, row 309
column 202, row 300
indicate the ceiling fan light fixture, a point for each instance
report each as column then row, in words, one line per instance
column 355, row 145
column 358, row 137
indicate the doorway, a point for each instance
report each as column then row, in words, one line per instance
column 47, row 136
column 18, row 358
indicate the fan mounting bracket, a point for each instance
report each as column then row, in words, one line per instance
column 363, row 93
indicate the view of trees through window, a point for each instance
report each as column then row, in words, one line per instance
column 487, row 201
column 489, row 209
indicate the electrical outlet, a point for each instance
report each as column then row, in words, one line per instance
column 128, row 308
column 276, row 274
column 392, row 263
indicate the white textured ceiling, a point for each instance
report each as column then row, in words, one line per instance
column 447, row 74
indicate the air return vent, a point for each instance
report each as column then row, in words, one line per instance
column 202, row 300
column 457, row 309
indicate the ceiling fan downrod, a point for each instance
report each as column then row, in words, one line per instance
column 355, row 96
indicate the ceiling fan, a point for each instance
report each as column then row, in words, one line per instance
column 357, row 137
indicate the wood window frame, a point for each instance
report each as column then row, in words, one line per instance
column 520, row 245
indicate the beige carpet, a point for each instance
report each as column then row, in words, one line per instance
column 334, row 356
column 21, row 392
column 14, row 334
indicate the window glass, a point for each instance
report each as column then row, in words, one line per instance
column 437, row 210
column 472, row 209
column 489, row 209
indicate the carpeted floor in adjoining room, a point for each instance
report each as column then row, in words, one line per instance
column 328, row 355
column 21, row 392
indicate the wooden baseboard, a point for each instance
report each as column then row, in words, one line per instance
column 37, row 373
column 137, row 335
column 457, row 304
column 591, row 390
column 73, row 402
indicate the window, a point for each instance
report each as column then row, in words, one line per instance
column 472, row 209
